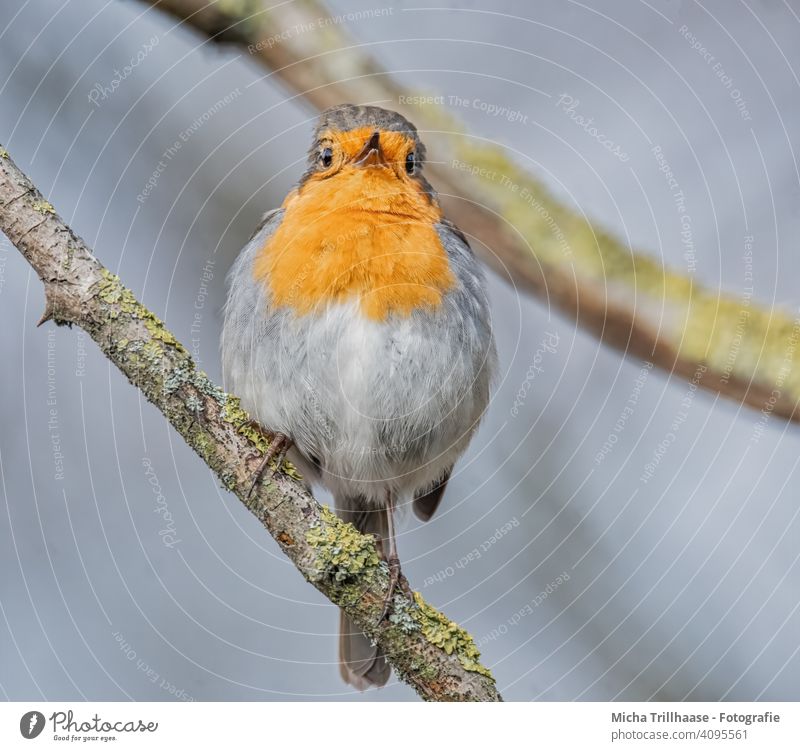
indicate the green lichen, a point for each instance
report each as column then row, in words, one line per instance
column 68, row 256
column 228, row 480
column 401, row 615
column 151, row 352
column 158, row 331
column 205, row 386
column 43, row 207
column 202, row 442
column 343, row 553
column 194, row 404
column 449, row 636
column 290, row 470
column 347, row 556
column 131, row 350
column 3, row 153
column 121, row 300
column 255, row 436
column 233, row 413
column 109, row 288
column 181, row 374
column 425, row 671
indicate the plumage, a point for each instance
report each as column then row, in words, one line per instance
column 380, row 392
column 427, row 501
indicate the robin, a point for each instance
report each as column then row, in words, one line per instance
column 357, row 328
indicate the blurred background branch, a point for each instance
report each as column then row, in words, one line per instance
column 427, row 650
column 729, row 345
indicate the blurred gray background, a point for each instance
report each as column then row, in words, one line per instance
column 128, row 573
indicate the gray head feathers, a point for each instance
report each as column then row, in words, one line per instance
column 345, row 117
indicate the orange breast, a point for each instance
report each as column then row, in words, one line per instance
column 361, row 234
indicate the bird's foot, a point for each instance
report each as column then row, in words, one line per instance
column 396, row 580
column 276, row 452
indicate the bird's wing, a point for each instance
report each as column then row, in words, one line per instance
column 248, row 321
column 426, row 502
column 265, row 220
column 452, row 227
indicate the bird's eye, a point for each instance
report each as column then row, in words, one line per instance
column 326, row 157
column 411, row 163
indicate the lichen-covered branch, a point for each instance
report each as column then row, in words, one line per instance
column 629, row 300
column 426, row 649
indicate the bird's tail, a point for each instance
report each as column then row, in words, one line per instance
column 361, row 663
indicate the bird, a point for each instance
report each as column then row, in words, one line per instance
column 357, row 331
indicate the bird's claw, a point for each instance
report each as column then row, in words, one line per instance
column 396, row 579
column 276, row 451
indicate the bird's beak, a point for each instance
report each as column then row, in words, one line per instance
column 371, row 155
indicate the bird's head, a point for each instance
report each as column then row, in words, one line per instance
column 362, row 144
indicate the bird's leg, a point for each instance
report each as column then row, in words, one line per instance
column 277, row 449
column 395, row 576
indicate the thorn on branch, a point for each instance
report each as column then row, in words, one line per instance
column 46, row 316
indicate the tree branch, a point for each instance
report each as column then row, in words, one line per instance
column 629, row 300
column 428, row 651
